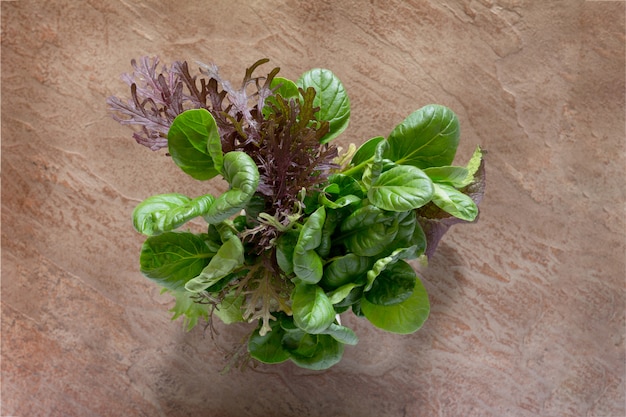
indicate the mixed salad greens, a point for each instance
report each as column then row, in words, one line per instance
column 304, row 232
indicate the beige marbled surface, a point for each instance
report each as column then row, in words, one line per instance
column 527, row 305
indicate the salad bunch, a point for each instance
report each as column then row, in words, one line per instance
column 305, row 231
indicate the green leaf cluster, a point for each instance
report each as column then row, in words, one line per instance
column 342, row 245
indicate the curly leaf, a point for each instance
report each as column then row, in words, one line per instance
column 427, row 138
column 381, row 264
column 187, row 307
column 402, row 188
column 242, row 174
column 330, row 97
column 173, row 258
column 312, row 310
column 229, row 257
column 164, row 212
column 195, row 145
column 403, row 318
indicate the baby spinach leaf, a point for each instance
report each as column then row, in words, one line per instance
column 330, row 223
column 312, row 310
column 403, row 318
column 427, row 138
column 342, row 334
column 172, row 259
column 455, row 176
column 402, row 188
column 331, row 98
column 341, row 293
column 369, row 230
column 326, row 353
column 383, row 263
column 268, row 348
column 366, row 151
column 344, row 269
column 242, row 174
column 164, row 212
column 452, row 201
column 393, row 285
column 307, row 264
column 285, row 245
column 195, row 145
column 229, row 257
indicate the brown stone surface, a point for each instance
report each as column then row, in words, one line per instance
column 527, row 305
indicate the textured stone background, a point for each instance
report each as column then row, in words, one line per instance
column 527, row 305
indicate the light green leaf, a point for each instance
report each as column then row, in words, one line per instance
column 312, row 310
column 307, row 264
column 186, row 306
column 341, row 293
column 331, row 97
column 454, row 202
column 366, row 150
column 173, row 258
column 242, row 174
column 402, row 188
column 229, row 257
column 427, row 138
column 195, row 145
column 342, row 334
column 229, row 310
column 452, row 175
column 164, row 212
column 404, row 318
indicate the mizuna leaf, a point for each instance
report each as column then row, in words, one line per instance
column 452, row 201
column 330, row 97
column 242, row 174
column 195, row 145
column 164, row 212
column 427, row 138
column 312, row 310
column 172, row 259
column 400, row 189
column 229, row 257
column 403, row 318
